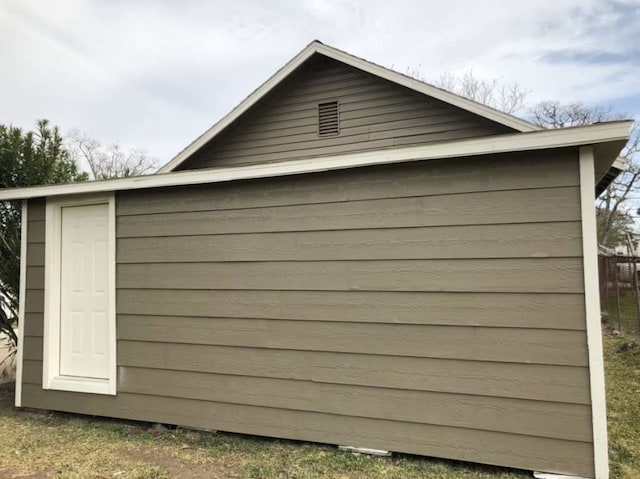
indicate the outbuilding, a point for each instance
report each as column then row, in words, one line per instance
column 351, row 256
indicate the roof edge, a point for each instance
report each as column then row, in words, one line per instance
column 420, row 86
column 243, row 106
column 318, row 47
column 602, row 133
column 619, row 166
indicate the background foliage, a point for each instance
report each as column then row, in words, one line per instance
column 26, row 158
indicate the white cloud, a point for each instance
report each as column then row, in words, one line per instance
column 154, row 75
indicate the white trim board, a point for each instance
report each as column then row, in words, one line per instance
column 365, row 450
column 51, row 378
column 538, row 140
column 621, row 164
column 21, row 301
column 593, row 320
column 317, row 47
column 549, row 475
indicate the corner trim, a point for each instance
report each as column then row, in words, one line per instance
column 51, row 379
column 592, row 305
column 21, row 301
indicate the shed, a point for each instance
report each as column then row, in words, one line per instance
column 351, row 256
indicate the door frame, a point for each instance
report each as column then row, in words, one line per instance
column 51, row 377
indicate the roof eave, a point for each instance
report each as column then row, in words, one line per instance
column 603, row 136
column 618, row 166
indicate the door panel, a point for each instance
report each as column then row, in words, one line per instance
column 84, row 298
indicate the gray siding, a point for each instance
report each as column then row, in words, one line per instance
column 374, row 113
column 34, row 301
column 433, row 308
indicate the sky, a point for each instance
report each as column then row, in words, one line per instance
column 153, row 75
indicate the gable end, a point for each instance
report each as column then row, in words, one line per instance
column 326, row 107
column 316, row 49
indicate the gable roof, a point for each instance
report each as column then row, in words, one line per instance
column 316, row 47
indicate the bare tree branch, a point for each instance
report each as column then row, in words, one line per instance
column 553, row 114
column 615, row 208
column 510, row 98
column 110, row 161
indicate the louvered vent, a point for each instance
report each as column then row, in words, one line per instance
column 328, row 119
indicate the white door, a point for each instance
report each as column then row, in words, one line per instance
column 84, row 295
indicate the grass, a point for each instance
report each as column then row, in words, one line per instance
column 629, row 323
column 622, row 370
column 66, row 446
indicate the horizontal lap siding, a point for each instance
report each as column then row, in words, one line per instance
column 448, row 242
column 34, row 301
column 463, row 309
column 445, row 409
column 374, row 113
column 536, row 382
column 495, row 207
column 539, row 275
column 535, row 170
column 408, row 287
column 441, row 441
column 408, row 308
column 518, row 345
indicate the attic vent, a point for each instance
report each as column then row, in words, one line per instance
column 328, row 119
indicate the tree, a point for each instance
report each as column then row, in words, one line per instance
column 621, row 223
column 553, row 114
column 614, row 211
column 26, row 159
column 110, row 161
column 510, row 98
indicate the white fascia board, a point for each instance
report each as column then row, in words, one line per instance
column 593, row 318
column 538, row 140
column 364, row 65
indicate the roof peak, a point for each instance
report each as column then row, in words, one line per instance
column 317, row 47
